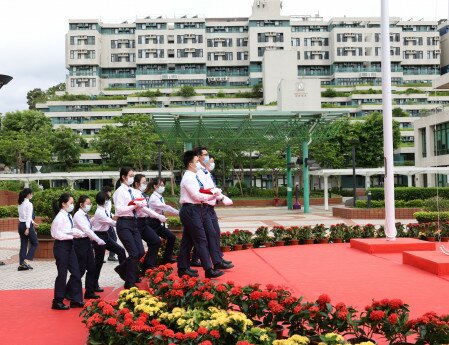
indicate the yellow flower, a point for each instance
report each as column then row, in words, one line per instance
column 264, row 337
column 229, row 330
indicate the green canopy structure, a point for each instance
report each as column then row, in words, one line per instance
column 286, row 129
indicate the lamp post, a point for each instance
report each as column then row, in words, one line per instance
column 159, row 162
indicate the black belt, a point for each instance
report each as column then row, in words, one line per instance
column 127, row 218
column 194, row 205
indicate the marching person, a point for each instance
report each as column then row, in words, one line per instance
column 111, row 231
column 102, row 224
column 157, row 203
column 83, row 245
column 211, row 221
column 63, row 232
column 26, row 230
column 147, row 233
column 192, row 215
column 127, row 232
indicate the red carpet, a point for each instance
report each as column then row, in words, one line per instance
column 434, row 262
column 380, row 245
column 347, row 275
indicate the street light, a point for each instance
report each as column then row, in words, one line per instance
column 159, row 162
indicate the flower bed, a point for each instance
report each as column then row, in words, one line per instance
column 198, row 311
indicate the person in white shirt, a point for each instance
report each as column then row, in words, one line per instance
column 127, row 232
column 26, row 230
column 83, row 245
column 157, row 203
column 192, row 215
column 147, row 233
column 63, row 232
column 211, row 221
column 111, row 231
column 101, row 225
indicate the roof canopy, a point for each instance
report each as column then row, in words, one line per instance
column 249, row 126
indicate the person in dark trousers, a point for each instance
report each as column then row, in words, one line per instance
column 147, row 233
column 157, row 203
column 126, row 211
column 83, row 245
column 192, row 215
column 111, row 231
column 27, row 233
column 101, row 225
column 63, row 232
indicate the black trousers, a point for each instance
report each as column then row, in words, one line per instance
column 26, row 253
column 193, row 234
column 86, row 262
column 166, row 234
column 99, row 251
column 213, row 236
column 113, row 237
column 153, row 241
column 66, row 261
column 130, row 237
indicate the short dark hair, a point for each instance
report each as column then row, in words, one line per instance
column 23, row 194
column 137, row 179
column 187, row 158
column 199, row 150
column 101, row 198
column 106, row 189
column 211, row 157
column 81, row 200
column 155, row 181
column 124, row 171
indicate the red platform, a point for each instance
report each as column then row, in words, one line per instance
column 434, row 262
column 380, row 245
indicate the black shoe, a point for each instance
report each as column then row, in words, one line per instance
column 104, row 261
column 91, row 296
column 98, row 289
column 187, row 272
column 112, row 258
column 120, row 272
column 59, row 306
column 27, row 265
column 129, row 286
column 213, row 273
column 74, row 304
column 229, row 262
column 2, row 263
column 168, row 261
column 192, row 270
column 223, row 266
column 22, row 268
column 196, row 263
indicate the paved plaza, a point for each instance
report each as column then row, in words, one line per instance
column 247, row 218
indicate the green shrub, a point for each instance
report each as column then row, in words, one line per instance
column 44, row 229
column 397, row 203
column 411, row 193
column 428, row 217
column 436, row 204
column 173, row 221
column 9, row 212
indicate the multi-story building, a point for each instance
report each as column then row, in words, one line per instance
column 224, row 57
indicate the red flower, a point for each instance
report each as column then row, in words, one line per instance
column 208, row 296
column 206, row 342
column 377, row 315
column 191, row 335
column 111, row 321
column 342, row 315
column 236, row 291
column 393, row 319
column 202, row 330
column 221, row 288
column 396, row 304
column 215, row 333
column 168, row 333
column 275, row 307
column 244, row 342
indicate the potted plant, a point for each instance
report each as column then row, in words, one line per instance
column 431, row 328
column 263, row 237
column 247, row 239
column 445, row 232
column 306, row 234
column 294, row 235
column 174, row 223
column 45, row 248
column 368, row 231
column 320, row 233
column 431, row 231
column 236, row 238
column 338, row 232
column 279, row 234
column 226, row 241
column 412, row 230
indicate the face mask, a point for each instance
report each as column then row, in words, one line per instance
column 206, row 159
column 87, row 208
column 198, row 166
column 70, row 208
column 211, row 166
column 130, row 181
column 107, row 203
column 143, row 187
column 160, row 190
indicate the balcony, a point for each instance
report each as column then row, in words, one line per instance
column 174, row 71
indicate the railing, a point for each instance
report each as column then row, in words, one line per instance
column 165, row 71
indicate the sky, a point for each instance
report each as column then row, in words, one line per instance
column 32, row 32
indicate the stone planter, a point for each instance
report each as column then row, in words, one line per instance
column 293, row 242
column 307, row 241
column 44, row 248
column 237, row 247
column 279, row 243
column 248, row 246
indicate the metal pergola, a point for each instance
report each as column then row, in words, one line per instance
column 286, row 129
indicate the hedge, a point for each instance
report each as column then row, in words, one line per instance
column 411, row 193
column 428, row 217
column 397, row 203
column 9, row 212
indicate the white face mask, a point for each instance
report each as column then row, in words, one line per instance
column 198, row 166
column 211, row 166
column 87, row 208
column 107, row 203
column 130, row 181
column 143, row 187
column 70, row 208
column 160, row 190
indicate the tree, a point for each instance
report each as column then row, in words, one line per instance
column 186, row 91
column 35, row 96
column 67, row 146
column 273, row 163
column 131, row 142
column 398, row 112
column 171, row 160
column 27, row 121
column 257, row 91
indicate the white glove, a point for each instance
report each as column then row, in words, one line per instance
column 100, row 242
column 162, row 218
column 140, row 204
column 226, row 201
column 215, row 191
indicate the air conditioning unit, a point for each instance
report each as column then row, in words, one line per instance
column 190, row 50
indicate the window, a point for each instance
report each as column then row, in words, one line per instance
column 242, row 42
column 262, row 38
column 296, row 42
column 441, row 139
column 242, row 56
column 423, row 142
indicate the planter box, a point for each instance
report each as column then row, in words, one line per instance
column 45, row 249
column 282, row 202
column 372, row 213
column 8, row 198
column 12, row 224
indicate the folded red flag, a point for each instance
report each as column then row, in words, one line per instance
column 132, row 202
column 206, row 191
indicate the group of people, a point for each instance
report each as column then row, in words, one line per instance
column 81, row 241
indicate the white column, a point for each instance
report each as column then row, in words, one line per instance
column 390, row 228
column 367, row 182
column 326, row 192
column 409, row 180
